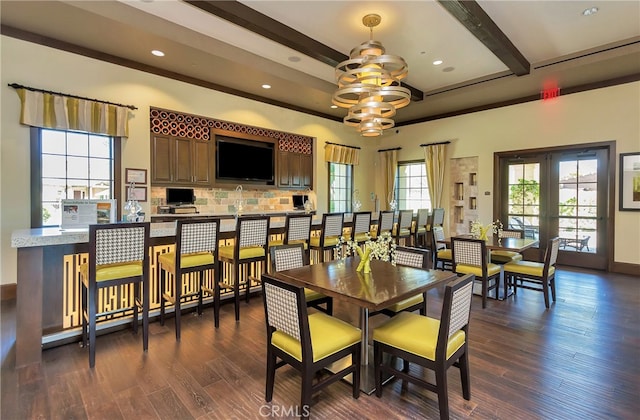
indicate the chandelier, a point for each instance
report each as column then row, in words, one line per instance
column 369, row 85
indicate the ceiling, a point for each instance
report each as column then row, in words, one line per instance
column 494, row 52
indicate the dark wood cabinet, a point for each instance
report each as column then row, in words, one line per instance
column 295, row 170
column 181, row 161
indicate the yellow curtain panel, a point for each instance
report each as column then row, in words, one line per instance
column 340, row 154
column 48, row 110
column 389, row 166
column 434, row 157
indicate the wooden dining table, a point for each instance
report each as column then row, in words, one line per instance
column 385, row 285
column 504, row 244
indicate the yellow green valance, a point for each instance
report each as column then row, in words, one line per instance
column 336, row 153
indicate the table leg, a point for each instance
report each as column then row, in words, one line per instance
column 364, row 328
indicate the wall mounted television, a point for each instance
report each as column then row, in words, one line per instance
column 179, row 196
column 244, row 160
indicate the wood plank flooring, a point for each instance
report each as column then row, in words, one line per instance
column 578, row 360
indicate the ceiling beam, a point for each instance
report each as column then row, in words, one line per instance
column 475, row 19
column 254, row 21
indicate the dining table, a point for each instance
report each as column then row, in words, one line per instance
column 385, row 285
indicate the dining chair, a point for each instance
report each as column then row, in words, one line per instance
column 534, row 275
column 402, row 231
column 499, row 256
column 248, row 252
column 360, row 232
column 118, row 258
column 470, row 257
column 196, row 252
column 330, row 233
column 419, row 230
column 411, row 257
column 287, row 257
column 385, row 224
column 441, row 254
column 431, row 343
column 307, row 342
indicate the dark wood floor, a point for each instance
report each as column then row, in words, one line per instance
column 578, row 360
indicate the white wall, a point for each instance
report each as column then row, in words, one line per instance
column 599, row 115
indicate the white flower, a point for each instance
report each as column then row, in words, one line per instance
column 383, row 248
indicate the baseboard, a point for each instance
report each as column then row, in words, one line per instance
column 8, row 291
column 626, row 268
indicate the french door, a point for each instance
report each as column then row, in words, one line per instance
column 564, row 192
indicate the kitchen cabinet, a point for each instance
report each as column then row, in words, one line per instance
column 181, row 161
column 295, row 170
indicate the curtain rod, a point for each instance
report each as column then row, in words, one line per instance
column 17, row 86
column 434, row 144
column 343, row 145
column 388, row 150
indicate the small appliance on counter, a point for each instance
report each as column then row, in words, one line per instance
column 299, row 200
column 179, row 201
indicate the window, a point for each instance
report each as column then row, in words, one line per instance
column 340, row 187
column 69, row 165
column 412, row 190
column 524, row 197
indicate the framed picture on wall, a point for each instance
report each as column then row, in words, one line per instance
column 137, row 193
column 630, row 181
column 139, row 176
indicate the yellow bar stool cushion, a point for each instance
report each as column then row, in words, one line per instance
column 328, row 336
column 404, row 304
column 416, row 334
column 328, row 241
column 245, row 253
column 492, row 269
column 114, row 271
column 276, row 242
column 503, row 257
column 361, row 237
column 300, row 241
column 530, row 268
column 445, row 254
column 168, row 260
column 403, row 231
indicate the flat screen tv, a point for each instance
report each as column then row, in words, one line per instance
column 179, row 196
column 244, row 160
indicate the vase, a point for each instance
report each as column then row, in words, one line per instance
column 365, row 261
column 483, row 233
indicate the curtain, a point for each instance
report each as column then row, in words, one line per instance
column 434, row 157
column 48, row 110
column 341, row 154
column 389, row 166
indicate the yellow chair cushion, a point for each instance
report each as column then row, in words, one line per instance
column 329, row 335
column 300, row 241
column 404, row 304
column 361, row 237
column 113, row 271
column 444, row 254
column 276, row 242
column 311, row 295
column 422, row 229
column 245, row 253
column 373, row 233
column 168, row 261
column 328, row 241
column 403, row 232
column 416, row 334
column 502, row 257
column 492, row 269
column 530, row 268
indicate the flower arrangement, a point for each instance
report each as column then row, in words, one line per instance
column 383, row 249
column 480, row 231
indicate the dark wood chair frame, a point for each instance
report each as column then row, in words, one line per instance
column 290, row 235
column 327, row 301
column 178, row 297
column 236, row 263
column 321, row 248
column 459, row 359
column 446, row 264
column 485, row 279
column 422, row 221
column 90, row 289
column 307, row 367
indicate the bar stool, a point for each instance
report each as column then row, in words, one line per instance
column 298, row 231
column 330, row 233
column 403, row 230
column 250, row 247
column 118, row 256
column 385, row 224
column 361, row 227
column 196, row 252
column 419, row 230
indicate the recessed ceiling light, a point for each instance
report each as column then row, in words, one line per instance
column 590, row 11
column 265, row 86
column 334, row 106
column 437, row 62
column 448, row 69
column 157, row 53
column 294, row 58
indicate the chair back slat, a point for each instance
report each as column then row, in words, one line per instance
column 385, row 222
column 552, row 249
column 198, row 236
column 460, row 308
column 467, row 251
column 333, row 224
column 298, row 228
column 405, row 220
column 411, row 257
column 253, row 232
column 282, row 309
column 120, row 244
column 362, row 222
column 286, row 257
